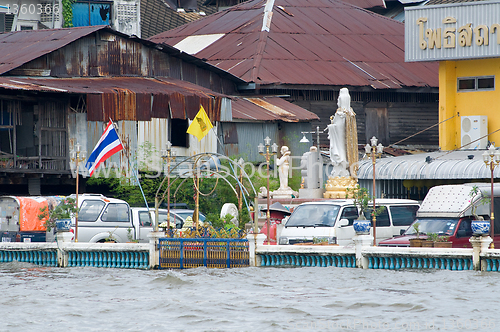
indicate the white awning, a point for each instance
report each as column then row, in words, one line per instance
column 460, row 164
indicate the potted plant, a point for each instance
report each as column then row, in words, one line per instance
column 60, row 216
column 362, row 200
column 430, row 241
column 443, row 242
column 479, row 225
column 416, row 242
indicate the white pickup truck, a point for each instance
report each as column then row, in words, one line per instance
column 101, row 219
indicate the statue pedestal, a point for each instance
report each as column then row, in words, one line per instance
column 311, row 193
column 284, row 193
column 336, row 186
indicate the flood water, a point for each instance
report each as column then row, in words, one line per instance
column 246, row 299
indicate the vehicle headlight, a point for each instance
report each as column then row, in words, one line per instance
column 283, row 240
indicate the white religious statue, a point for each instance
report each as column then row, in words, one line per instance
column 283, row 167
column 284, row 191
column 342, row 133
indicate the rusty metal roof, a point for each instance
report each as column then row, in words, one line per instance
column 269, row 109
column 141, row 98
column 326, row 42
column 18, row 48
column 367, row 3
column 133, row 94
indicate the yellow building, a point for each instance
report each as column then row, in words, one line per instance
column 465, row 39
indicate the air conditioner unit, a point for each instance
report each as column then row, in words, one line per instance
column 474, row 132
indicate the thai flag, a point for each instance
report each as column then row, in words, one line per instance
column 108, row 145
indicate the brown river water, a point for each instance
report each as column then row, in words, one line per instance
column 247, row 299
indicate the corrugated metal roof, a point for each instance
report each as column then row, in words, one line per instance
column 18, row 48
column 181, row 98
column 443, row 2
column 269, row 109
column 325, row 42
column 158, row 16
column 442, row 165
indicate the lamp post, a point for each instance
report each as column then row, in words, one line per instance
column 168, row 155
column 265, row 152
column 304, row 138
column 77, row 156
column 373, row 150
column 492, row 159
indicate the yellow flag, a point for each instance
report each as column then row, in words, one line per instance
column 201, row 124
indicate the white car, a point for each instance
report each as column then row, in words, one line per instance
column 333, row 221
column 177, row 217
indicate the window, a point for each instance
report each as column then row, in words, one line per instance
column 476, row 83
column 313, row 215
column 144, row 219
column 91, row 13
column 350, row 213
column 382, row 219
column 175, row 221
column 403, row 215
column 465, row 229
column 117, row 212
column 90, row 210
column 178, row 135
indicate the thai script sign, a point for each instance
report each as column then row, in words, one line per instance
column 449, row 32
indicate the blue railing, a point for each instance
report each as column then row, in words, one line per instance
column 492, row 264
column 111, row 259
column 182, row 253
column 398, row 262
column 308, row 260
column 38, row 257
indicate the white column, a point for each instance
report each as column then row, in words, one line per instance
column 479, row 243
column 154, row 252
column 360, row 242
column 255, row 240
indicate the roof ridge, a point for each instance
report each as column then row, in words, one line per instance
column 263, row 35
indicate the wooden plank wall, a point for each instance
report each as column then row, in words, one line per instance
column 401, row 120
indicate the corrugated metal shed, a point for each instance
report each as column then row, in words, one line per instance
column 242, row 138
column 429, row 166
column 269, row 109
column 141, row 98
column 322, row 43
column 17, row 48
column 128, row 98
column 120, row 55
column 157, row 16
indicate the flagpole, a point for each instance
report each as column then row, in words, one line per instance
column 135, row 175
column 240, row 185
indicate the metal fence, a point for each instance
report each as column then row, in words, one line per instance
column 183, row 253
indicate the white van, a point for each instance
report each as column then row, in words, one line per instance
column 333, row 221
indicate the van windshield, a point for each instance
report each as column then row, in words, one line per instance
column 440, row 226
column 313, row 215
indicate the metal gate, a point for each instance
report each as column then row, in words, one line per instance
column 183, row 253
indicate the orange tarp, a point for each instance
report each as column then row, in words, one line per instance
column 29, row 209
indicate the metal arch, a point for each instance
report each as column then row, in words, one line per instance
column 198, row 157
column 217, row 174
column 211, row 154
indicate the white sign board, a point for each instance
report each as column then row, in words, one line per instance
column 450, row 32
